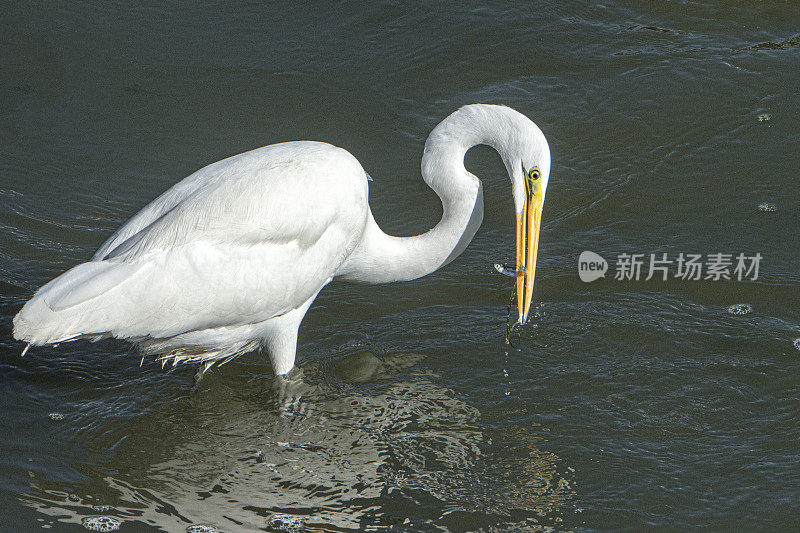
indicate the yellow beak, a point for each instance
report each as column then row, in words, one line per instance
column 528, row 224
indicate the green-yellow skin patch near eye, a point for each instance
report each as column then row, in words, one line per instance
column 533, row 185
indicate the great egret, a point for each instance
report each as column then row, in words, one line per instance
column 229, row 259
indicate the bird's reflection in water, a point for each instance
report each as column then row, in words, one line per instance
column 365, row 443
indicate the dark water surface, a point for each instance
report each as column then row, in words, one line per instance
column 623, row 405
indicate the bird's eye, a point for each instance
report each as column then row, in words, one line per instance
column 534, row 174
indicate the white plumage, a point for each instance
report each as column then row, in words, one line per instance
column 230, row 258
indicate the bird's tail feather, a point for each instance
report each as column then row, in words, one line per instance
column 89, row 302
column 72, row 305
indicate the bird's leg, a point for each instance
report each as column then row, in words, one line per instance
column 280, row 338
column 282, row 346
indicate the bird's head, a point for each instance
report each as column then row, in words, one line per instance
column 526, row 155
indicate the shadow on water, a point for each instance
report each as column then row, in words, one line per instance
column 366, row 442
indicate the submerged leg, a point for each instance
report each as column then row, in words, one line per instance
column 289, row 389
column 201, row 371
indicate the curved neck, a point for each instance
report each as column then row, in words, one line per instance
column 381, row 258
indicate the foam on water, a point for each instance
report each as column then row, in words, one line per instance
column 740, row 309
column 200, row 528
column 101, row 523
column 285, row 522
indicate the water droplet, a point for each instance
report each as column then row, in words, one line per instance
column 200, row 528
column 56, row 416
column 74, row 498
column 740, row 309
column 797, row 343
column 767, row 207
column 101, row 523
column 286, row 522
column 764, row 117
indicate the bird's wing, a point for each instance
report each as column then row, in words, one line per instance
column 253, row 198
column 248, row 240
column 213, row 187
column 156, row 208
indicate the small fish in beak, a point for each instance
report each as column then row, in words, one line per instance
column 505, row 270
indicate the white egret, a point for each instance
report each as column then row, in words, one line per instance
column 229, row 259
